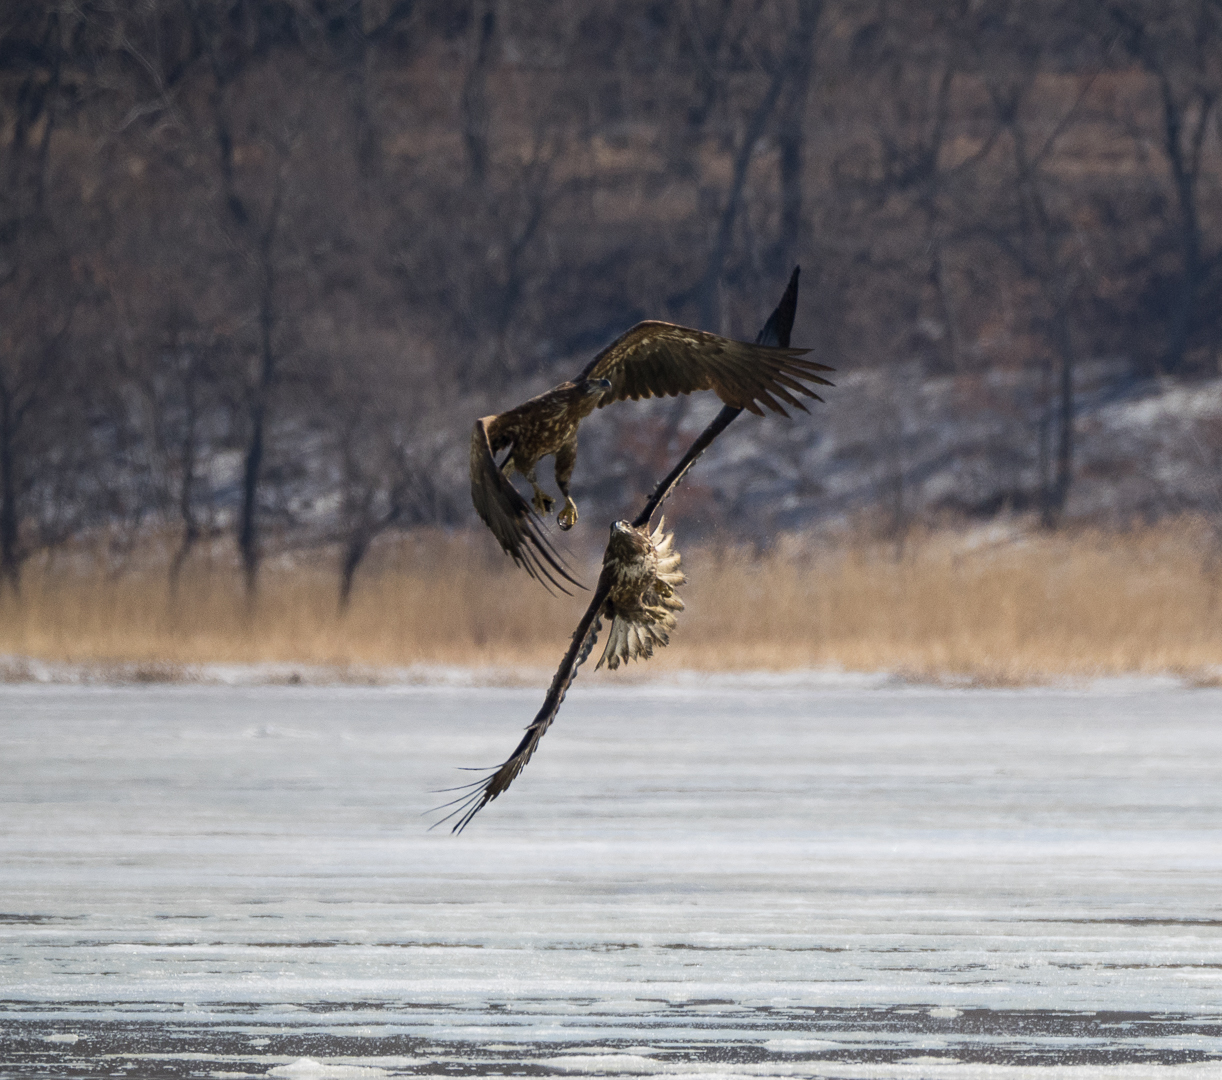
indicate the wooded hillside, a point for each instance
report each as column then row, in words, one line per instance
column 263, row 261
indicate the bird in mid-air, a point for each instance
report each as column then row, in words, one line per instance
column 653, row 359
column 642, row 572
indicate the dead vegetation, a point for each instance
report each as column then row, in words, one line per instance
column 999, row 606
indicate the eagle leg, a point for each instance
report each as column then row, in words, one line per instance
column 542, row 501
column 566, row 459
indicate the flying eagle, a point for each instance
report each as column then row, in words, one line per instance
column 641, row 572
column 653, row 359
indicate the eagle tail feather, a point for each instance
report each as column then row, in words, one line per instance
column 630, row 639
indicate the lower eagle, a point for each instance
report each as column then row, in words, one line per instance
column 642, row 572
column 636, row 591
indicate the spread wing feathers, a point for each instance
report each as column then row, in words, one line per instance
column 659, row 359
column 668, row 558
column 510, row 517
column 637, row 630
column 477, row 795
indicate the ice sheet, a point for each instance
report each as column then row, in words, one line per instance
column 727, row 879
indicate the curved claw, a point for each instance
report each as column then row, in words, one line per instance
column 567, row 517
column 543, row 503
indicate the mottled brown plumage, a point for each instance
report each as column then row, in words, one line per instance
column 544, row 425
column 653, row 359
column 642, row 573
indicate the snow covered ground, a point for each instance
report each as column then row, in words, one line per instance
column 801, row 877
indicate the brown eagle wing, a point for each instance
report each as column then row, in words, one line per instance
column 659, row 359
column 475, row 796
column 510, row 517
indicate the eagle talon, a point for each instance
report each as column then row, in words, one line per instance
column 567, row 517
column 543, row 503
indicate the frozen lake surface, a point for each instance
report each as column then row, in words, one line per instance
column 707, row 880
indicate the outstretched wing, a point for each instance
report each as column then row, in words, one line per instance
column 658, row 359
column 510, row 517
column 479, row 794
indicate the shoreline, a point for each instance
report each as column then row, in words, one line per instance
column 26, row 671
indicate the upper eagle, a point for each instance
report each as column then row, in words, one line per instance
column 653, row 359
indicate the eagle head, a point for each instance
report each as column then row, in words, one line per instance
column 627, row 544
column 595, row 387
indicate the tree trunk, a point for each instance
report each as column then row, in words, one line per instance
column 10, row 559
column 248, row 533
column 710, row 305
column 1185, row 169
column 186, row 492
column 354, row 553
column 791, row 135
column 1058, row 495
column 352, row 49
column 475, row 91
column 248, row 536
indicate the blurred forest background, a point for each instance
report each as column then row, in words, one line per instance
column 262, row 262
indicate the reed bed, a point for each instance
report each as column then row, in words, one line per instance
column 1001, row 605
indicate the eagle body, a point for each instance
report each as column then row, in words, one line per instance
column 544, row 425
column 642, row 573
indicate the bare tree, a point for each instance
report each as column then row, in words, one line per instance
column 475, row 108
column 34, row 342
column 173, row 367
column 1180, row 47
column 36, row 299
column 1036, row 228
column 781, row 42
column 791, row 132
column 247, row 93
column 372, row 437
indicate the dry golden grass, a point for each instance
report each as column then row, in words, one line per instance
column 990, row 606
column 995, row 611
